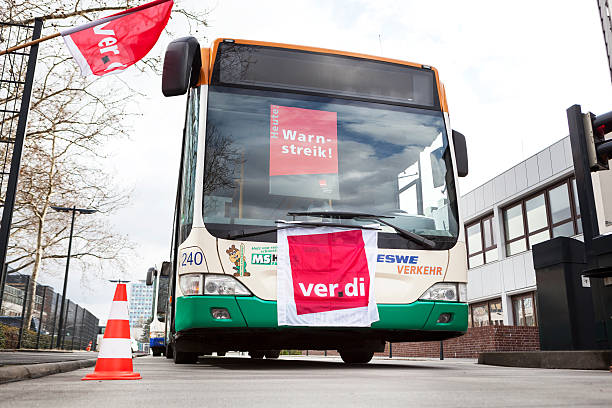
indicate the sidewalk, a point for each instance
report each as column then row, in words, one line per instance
column 24, row 364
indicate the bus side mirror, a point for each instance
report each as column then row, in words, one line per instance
column 165, row 269
column 182, row 64
column 461, row 156
column 151, row 273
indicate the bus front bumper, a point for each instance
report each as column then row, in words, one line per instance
column 250, row 312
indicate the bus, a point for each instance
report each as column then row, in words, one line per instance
column 388, row 159
column 157, row 328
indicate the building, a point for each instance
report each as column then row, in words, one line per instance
column 80, row 324
column 141, row 303
column 534, row 201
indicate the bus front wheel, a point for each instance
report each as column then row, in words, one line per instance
column 356, row 356
column 183, row 357
column 257, row 354
column 272, row 354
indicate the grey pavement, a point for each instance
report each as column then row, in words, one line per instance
column 316, row 381
column 40, row 357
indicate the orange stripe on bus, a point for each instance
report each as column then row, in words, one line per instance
column 205, row 70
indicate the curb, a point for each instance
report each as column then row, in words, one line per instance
column 29, row 371
column 573, row 360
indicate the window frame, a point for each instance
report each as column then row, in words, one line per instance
column 486, row 303
column 489, row 217
column 521, row 297
column 574, row 218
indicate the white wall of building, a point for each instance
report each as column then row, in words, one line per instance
column 511, row 275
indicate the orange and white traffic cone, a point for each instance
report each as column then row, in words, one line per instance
column 88, row 346
column 115, row 356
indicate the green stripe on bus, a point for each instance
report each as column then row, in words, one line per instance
column 194, row 312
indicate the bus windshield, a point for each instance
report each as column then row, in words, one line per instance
column 269, row 153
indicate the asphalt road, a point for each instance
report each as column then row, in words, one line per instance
column 316, row 382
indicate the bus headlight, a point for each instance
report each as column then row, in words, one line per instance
column 191, row 284
column 444, row 291
column 224, row 285
column 207, row 284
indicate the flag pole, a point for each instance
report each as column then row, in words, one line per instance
column 93, row 23
column 29, row 43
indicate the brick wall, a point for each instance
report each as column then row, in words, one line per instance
column 476, row 340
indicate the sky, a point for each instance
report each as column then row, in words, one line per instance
column 510, row 71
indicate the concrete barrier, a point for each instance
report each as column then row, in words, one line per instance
column 577, row 360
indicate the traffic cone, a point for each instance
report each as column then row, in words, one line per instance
column 115, row 356
column 88, row 346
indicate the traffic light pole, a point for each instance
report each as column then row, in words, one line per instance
column 584, row 183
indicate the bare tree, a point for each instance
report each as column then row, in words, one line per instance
column 70, row 120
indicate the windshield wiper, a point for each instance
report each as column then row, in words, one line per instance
column 291, row 224
column 419, row 239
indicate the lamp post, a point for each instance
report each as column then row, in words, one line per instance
column 74, row 210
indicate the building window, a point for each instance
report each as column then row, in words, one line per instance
column 481, row 244
column 552, row 212
column 524, row 309
column 488, row 313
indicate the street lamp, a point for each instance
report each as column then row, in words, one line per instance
column 74, row 210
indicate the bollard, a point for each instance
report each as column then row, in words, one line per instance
column 390, row 350
column 441, row 350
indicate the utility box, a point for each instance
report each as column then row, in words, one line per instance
column 564, row 299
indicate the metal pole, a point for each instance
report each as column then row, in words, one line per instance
column 390, row 350
column 74, row 332
column 82, row 330
column 40, row 320
column 61, row 322
column 11, row 189
column 54, row 321
column 441, row 350
column 23, row 310
column 584, row 183
column 63, row 332
column 3, row 276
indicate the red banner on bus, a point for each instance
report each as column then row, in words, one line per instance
column 303, row 141
column 329, row 271
column 325, row 277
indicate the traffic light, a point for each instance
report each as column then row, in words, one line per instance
column 598, row 148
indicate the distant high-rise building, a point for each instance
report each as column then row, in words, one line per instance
column 141, row 303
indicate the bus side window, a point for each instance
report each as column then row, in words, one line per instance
column 189, row 162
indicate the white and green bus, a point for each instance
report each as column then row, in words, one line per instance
column 392, row 162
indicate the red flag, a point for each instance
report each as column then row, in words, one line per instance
column 115, row 42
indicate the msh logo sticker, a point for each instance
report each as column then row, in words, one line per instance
column 263, row 255
column 410, row 265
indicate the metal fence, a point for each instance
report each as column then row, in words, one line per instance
column 16, row 80
column 80, row 328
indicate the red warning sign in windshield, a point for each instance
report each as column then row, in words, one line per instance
column 303, row 141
